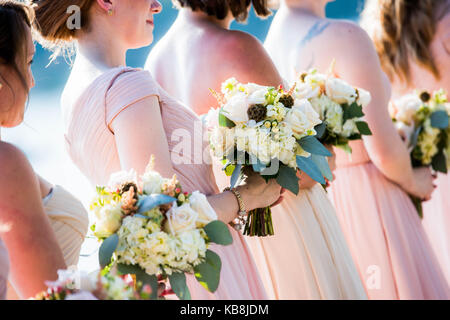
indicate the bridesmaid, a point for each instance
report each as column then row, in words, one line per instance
column 38, row 246
column 117, row 117
column 384, row 232
column 308, row 257
column 418, row 60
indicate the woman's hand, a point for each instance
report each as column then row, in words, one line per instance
column 257, row 193
column 422, row 185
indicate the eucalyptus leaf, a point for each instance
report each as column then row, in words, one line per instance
column 235, row 175
column 218, row 232
column 310, row 168
column 439, row 119
column 324, row 167
column 313, row 146
column 208, row 272
column 320, row 129
column 147, row 203
column 287, row 178
column 439, row 163
column 224, row 121
column 179, row 286
column 352, row 111
column 107, row 249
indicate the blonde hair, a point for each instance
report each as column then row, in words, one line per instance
column 402, row 30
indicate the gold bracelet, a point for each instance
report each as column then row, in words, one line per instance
column 241, row 220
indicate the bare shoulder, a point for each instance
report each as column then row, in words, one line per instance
column 344, row 31
column 14, row 166
column 246, row 57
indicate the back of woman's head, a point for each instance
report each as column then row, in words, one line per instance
column 402, row 31
column 221, row 8
column 15, row 20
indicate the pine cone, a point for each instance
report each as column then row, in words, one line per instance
column 287, row 100
column 127, row 186
column 425, row 96
column 257, row 112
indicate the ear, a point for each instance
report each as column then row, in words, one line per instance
column 106, row 5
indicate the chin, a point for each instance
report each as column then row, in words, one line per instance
column 140, row 43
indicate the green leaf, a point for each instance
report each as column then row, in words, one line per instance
column 229, row 168
column 107, row 249
column 147, row 203
column 352, row 111
column 439, row 162
column 179, row 286
column 320, row 129
column 415, row 137
column 141, row 276
column 439, row 119
column 313, row 146
column 224, row 121
column 363, row 128
column 324, row 167
column 309, row 167
column 235, row 175
column 258, row 166
column 287, row 178
column 208, row 272
column 218, row 232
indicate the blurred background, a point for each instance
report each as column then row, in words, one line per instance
column 41, row 134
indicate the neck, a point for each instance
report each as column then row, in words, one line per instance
column 100, row 48
column 306, row 7
column 198, row 17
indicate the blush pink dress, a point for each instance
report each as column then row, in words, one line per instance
column 436, row 218
column 384, row 232
column 4, row 269
column 91, row 146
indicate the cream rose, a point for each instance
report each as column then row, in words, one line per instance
column 108, row 221
column 200, row 204
column 302, row 117
column 152, row 182
column 180, row 219
column 406, row 107
column 257, row 97
column 236, row 108
column 340, row 91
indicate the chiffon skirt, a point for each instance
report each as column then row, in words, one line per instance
column 386, row 237
column 436, row 221
column 308, row 257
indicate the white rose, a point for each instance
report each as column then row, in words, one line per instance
column 302, row 118
column 333, row 117
column 119, row 178
column 109, row 220
column 152, row 182
column 200, row 204
column 406, row 107
column 405, row 131
column 364, row 97
column 236, row 108
column 257, row 97
column 340, row 91
column 251, row 88
column 180, row 219
column 316, row 79
column 306, row 91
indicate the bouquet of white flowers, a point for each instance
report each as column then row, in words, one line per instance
column 422, row 120
column 77, row 285
column 339, row 105
column 151, row 228
column 268, row 131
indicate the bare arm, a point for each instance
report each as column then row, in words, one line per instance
column 33, row 250
column 136, row 141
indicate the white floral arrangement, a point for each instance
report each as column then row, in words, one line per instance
column 268, row 131
column 150, row 228
column 339, row 105
column 78, row 285
column 422, row 119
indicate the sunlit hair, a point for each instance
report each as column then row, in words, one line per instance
column 403, row 30
column 15, row 18
column 221, row 8
column 51, row 21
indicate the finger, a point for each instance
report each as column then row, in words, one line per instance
column 283, row 190
column 280, row 199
